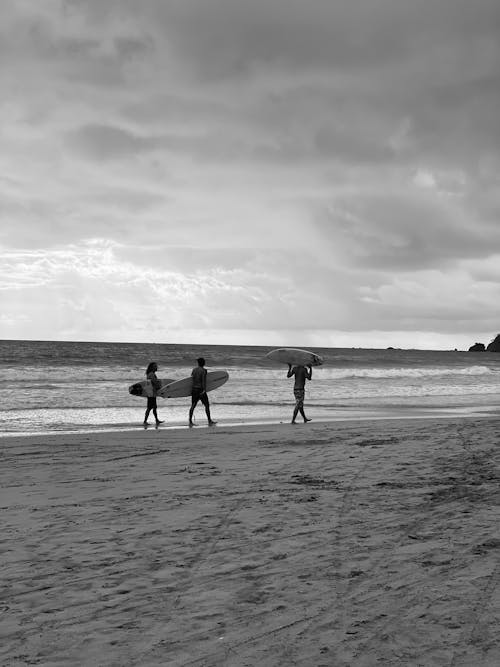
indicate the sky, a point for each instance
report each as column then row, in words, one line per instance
column 270, row 172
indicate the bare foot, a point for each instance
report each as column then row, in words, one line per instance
column 212, row 423
column 306, row 420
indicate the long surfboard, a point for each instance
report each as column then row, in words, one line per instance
column 215, row 379
column 145, row 388
column 295, row 357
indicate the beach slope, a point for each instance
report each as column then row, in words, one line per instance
column 346, row 544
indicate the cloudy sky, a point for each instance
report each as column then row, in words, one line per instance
column 320, row 173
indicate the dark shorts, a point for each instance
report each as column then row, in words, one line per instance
column 199, row 395
column 299, row 397
column 151, row 402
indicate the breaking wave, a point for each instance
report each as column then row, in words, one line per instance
column 378, row 373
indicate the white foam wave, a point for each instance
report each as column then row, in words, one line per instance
column 380, row 373
column 330, row 373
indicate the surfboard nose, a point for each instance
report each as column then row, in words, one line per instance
column 135, row 389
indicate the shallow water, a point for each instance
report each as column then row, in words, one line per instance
column 53, row 386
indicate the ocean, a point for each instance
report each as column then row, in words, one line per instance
column 53, row 387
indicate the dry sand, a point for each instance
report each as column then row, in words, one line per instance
column 339, row 544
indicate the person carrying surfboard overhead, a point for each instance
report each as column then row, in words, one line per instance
column 152, row 405
column 199, row 391
column 301, row 373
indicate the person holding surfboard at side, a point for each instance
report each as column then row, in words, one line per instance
column 199, row 391
column 302, row 373
column 152, row 406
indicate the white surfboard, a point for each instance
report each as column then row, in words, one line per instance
column 145, row 388
column 295, row 357
column 179, row 388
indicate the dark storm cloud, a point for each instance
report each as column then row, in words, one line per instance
column 406, row 232
column 52, row 36
column 225, row 37
column 435, row 62
column 103, row 142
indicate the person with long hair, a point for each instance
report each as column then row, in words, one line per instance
column 152, row 405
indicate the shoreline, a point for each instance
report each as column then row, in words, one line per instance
column 344, row 415
column 350, row 543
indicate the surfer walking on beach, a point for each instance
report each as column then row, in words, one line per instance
column 301, row 373
column 152, row 405
column 199, row 391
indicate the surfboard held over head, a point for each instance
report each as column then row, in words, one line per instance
column 179, row 388
column 145, row 388
column 295, row 357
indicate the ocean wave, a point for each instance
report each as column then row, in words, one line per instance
column 42, row 385
column 380, row 373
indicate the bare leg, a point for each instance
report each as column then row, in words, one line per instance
column 158, row 420
column 304, row 416
column 206, row 403
column 191, row 411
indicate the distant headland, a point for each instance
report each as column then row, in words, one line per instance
column 494, row 346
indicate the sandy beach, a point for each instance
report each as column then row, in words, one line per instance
column 340, row 544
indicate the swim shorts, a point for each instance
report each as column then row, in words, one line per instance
column 198, row 394
column 299, row 397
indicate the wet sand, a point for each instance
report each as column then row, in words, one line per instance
column 340, row 544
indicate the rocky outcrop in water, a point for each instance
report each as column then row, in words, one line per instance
column 494, row 346
column 477, row 347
